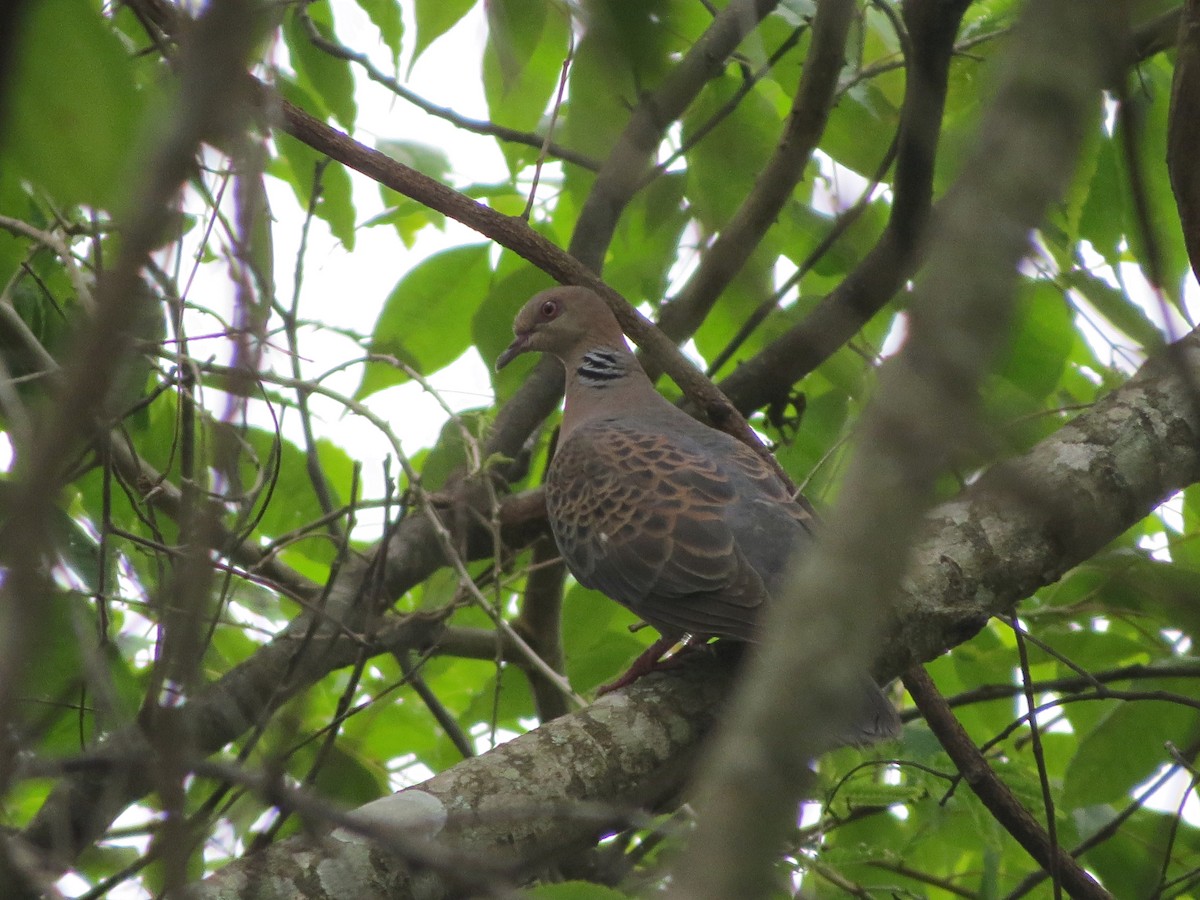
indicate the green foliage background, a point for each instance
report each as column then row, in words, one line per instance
column 87, row 97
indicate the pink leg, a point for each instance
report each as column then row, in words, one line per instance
column 650, row 660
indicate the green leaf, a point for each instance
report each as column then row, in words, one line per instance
column 73, row 110
column 1117, row 307
column 599, row 105
column 453, row 449
column 293, row 502
column 646, row 243
column 426, row 321
column 752, row 285
column 50, row 684
column 638, row 37
column 385, row 15
column 1101, row 221
column 1128, row 745
column 513, row 702
column 574, row 890
column 1187, row 552
column 1069, row 214
column 300, row 169
column 259, row 241
column 808, row 441
column 802, row 228
column 323, row 75
column 425, row 158
column 1043, row 334
column 77, row 548
column 435, row 18
column 624, row 52
column 722, row 168
column 1149, row 105
column 344, row 775
column 1129, row 861
column 491, row 327
column 596, row 638
column 522, row 64
column 408, row 216
column 860, row 129
column 15, row 202
column 1133, row 581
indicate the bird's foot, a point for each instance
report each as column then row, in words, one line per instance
column 651, row 660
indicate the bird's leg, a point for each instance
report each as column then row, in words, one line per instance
column 651, row 660
column 646, row 662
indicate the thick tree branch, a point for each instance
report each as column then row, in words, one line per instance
column 552, row 791
column 82, row 805
column 982, row 552
column 799, row 691
column 1040, row 514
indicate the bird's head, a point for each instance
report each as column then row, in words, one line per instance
column 563, row 321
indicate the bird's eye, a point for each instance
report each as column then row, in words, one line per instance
column 549, row 309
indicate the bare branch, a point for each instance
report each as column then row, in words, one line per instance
column 1007, row 810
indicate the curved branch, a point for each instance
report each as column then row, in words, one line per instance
column 553, row 790
column 623, row 173
column 932, row 26
column 984, row 551
column 741, row 235
column 84, row 804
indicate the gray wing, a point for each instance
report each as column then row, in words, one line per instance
column 652, row 521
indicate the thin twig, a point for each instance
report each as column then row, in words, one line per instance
column 476, row 126
column 996, row 796
column 1039, row 756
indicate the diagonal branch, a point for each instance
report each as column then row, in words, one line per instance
column 741, row 235
column 982, row 552
column 517, row 236
column 994, row 793
column 799, row 690
column 932, row 26
column 623, row 173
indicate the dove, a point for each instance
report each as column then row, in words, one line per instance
column 683, row 524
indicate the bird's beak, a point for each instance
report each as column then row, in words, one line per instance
column 519, row 345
